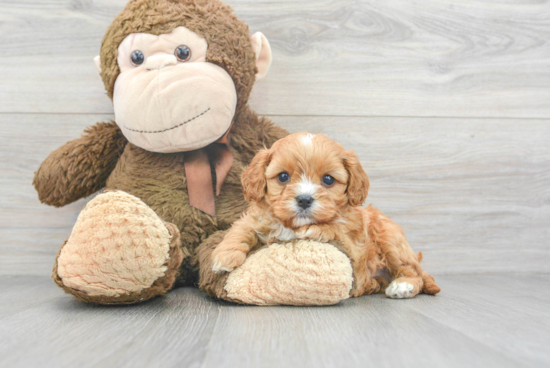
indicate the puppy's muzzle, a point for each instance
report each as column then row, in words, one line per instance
column 304, row 201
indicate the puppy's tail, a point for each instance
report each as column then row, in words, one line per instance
column 430, row 287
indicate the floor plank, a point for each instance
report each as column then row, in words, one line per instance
column 474, row 322
column 473, row 195
column 362, row 331
column 337, row 57
column 167, row 332
column 485, row 306
column 23, row 292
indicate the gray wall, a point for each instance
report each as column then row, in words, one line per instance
column 447, row 103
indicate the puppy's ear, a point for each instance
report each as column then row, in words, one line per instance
column 358, row 183
column 253, row 178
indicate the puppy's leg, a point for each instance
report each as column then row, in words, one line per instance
column 321, row 233
column 232, row 251
column 403, row 265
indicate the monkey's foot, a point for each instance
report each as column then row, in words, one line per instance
column 302, row 272
column 119, row 252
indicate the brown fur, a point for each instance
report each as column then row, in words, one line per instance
column 80, row 167
column 102, row 158
column 211, row 283
column 373, row 243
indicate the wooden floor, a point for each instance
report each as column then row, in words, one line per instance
column 477, row 321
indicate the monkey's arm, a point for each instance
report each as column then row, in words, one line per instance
column 80, row 167
column 252, row 133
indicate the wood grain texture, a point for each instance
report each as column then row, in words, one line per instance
column 163, row 333
column 477, row 321
column 481, row 58
column 473, row 195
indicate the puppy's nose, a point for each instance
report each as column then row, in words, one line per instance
column 304, row 201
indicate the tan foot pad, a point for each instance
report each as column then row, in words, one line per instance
column 119, row 247
column 301, row 273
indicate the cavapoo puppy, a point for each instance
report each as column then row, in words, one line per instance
column 308, row 187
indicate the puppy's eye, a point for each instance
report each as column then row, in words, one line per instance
column 137, row 58
column 283, row 177
column 328, row 180
column 183, row 53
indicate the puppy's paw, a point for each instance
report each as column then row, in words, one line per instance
column 303, row 232
column 320, row 233
column 227, row 260
column 399, row 290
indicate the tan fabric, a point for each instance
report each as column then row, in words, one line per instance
column 168, row 106
column 300, row 273
column 118, row 246
column 159, row 287
column 151, row 45
column 262, row 50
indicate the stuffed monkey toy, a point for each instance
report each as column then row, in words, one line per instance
column 179, row 73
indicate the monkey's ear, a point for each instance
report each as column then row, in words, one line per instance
column 97, row 62
column 261, row 48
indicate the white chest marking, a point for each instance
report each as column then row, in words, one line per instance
column 283, row 233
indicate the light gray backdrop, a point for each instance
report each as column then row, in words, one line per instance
column 447, row 103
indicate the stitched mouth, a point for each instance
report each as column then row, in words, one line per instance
column 167, row 129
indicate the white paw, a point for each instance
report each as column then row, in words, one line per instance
column 399, row 290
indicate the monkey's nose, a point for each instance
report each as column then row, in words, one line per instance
column 160, row 61
column 304, row 201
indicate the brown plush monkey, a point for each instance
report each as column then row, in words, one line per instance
column 179, row 73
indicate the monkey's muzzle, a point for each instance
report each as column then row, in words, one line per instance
column 175, row 108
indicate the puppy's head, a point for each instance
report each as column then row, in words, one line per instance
column 305, row 179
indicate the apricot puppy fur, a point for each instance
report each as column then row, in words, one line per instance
column 308, row 187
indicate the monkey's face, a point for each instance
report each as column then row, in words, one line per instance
column 178, row 71
column 168, row 98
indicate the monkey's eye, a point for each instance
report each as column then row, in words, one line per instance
column 183, row 53
column 137, row 58
column 328, row 180
column 283, row 177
